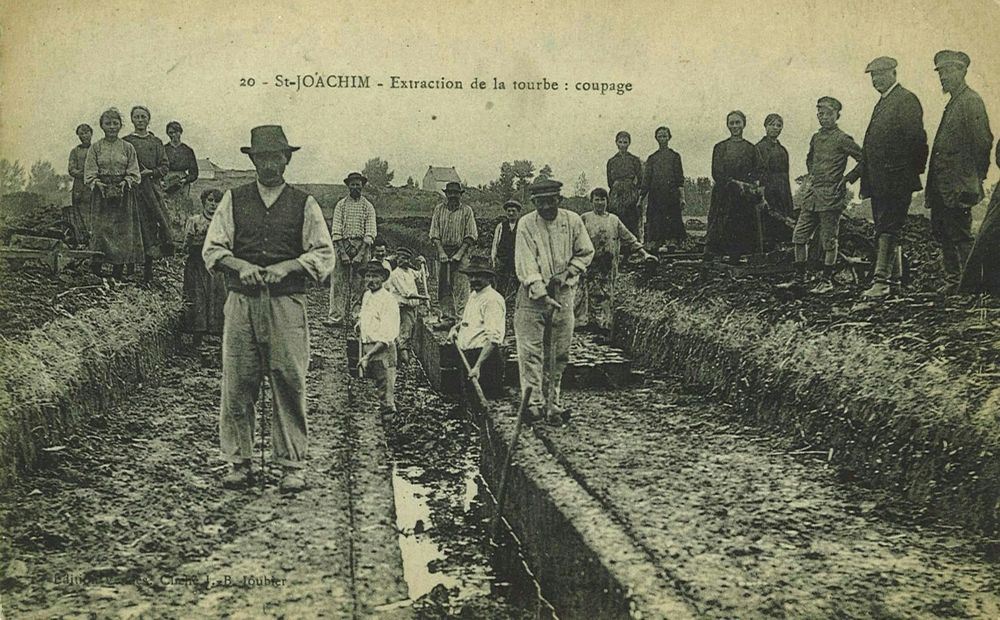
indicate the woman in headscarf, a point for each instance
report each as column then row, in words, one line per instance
column 182, row 171
column 81, row 193
column 732, row 221
column 663, row 182
column 624, row 176
column 111, row 171
column 204, row 291
column 777, row 188
column 157, row 240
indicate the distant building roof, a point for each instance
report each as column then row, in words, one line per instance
column 443, row 174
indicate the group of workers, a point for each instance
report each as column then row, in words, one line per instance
column 267, row 239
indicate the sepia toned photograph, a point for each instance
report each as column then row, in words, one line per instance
column 531, row 310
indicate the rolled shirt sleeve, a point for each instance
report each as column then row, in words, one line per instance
column 471, row 231
column 626, row 239
column 371, row 225
column 317, row 257
column 495, row 319
column 435, row 232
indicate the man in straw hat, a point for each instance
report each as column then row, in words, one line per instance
column 268, row 238
column 453, row 232
column 481, row 331
column 378, row 328
column 553, row 249
column 894, row 156
column 353, row 231
column 960, row 159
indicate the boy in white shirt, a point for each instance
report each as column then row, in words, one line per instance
column 378, row 328
column 403, row 285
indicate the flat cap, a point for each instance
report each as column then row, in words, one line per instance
column 829, row 102
column 950, row 57
column 546, row 187
column 882, row 63
column 513, row 203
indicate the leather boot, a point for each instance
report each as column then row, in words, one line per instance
column 884, row 260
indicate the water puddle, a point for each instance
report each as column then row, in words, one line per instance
column 443, row 515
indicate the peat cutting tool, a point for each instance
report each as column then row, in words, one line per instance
column 263, row 323
column 505, row 470
column 475, row 382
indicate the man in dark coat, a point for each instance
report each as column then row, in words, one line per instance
column 959, row 162
column 894, row 157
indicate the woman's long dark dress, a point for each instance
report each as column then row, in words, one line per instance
column 777, row 189
column 663, row 179
column 732, row 220
column 157, row 238
column 624, row 176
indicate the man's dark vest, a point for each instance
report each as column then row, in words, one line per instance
column 265, row 236
column 505, row 247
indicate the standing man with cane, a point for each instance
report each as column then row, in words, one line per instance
column 267, row 237
column 552, row 250
column 353, row 231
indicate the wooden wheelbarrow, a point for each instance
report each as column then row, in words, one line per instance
column 53, row 253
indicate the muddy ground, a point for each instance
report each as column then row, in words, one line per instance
column 744, row 526
column 128, row 519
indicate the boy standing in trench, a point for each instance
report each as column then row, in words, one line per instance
column 378, row 328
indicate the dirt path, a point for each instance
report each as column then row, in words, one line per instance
column 746, row 530
column 129, row 519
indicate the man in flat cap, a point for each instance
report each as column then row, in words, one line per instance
column 825, row 199
column 552, row 250
column 960, row 159
column 353, row 231
column 268, row 238
column 895, row 155
column 453, row 232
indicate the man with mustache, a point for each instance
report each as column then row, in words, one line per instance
column 552, row 250
column 268, row 238
column 353, row 231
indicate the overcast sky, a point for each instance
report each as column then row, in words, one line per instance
column 689, row 63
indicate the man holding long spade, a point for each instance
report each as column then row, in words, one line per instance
column 551, row 251
column 480, row 333
column 267, row 237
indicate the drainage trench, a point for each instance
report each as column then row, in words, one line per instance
column 444, row 511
